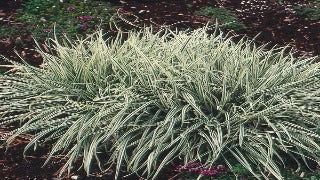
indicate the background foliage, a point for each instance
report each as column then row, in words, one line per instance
column 223, row 16
column 73, row 17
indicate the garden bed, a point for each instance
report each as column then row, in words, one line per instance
column 279, row 22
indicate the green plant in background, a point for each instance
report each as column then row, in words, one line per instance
column 7, row 31
column 151, row 99
column 223, row 16
column 240, row 171
column 73, row 17
column 311, row 11
column 304, row 174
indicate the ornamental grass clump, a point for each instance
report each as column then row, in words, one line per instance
column 146, row 101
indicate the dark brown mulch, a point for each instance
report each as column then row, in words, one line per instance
column 161, row 14
column 276, row 23
column 13, row 165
